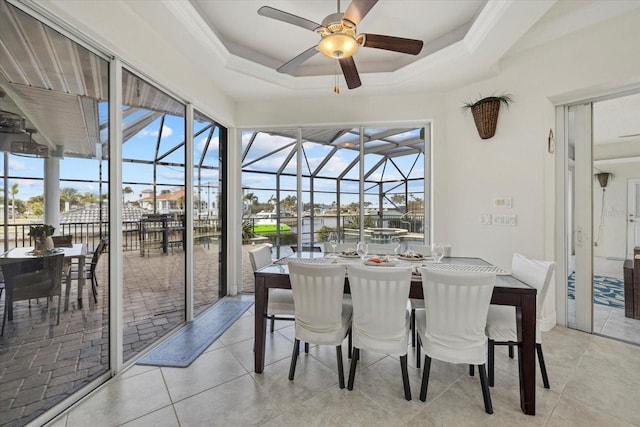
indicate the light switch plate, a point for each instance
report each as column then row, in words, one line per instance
column 502, row 202
column 509, row 220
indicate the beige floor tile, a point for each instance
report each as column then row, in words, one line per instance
column 277, row 348
column 462, row 405
column 604, row 378
column 311, row 378
column 241, row 330
column 122, row 400
column 240, row 402
column 165, row 417
column 382, row 382
column 207, row 371
column 594, row 382
column 335, row 407
column 569, row 413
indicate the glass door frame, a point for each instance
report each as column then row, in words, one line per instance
column 574, row 213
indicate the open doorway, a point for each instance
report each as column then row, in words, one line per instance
column 616, row 171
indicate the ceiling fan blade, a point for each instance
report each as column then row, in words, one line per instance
column 350, row 72
column 293, row 64
column 280, row 15
column 396, row 44
column 358, row 9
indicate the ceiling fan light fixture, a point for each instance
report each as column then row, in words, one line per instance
column 338, row 45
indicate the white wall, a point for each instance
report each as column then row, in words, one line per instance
column 469, row 172
column 613, row 236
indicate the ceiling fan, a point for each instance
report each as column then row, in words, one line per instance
column 340, row 39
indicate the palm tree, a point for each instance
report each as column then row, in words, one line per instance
column 289, row 203
column 251, row 198
column 68, row 195
column 125, row 191
column 397, row 199
column 14, row 191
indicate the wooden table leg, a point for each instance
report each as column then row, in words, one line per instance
column 526, row 321
column 260, row 332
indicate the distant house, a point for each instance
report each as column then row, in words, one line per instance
column 165, row 202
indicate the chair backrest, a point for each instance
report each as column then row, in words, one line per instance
column 34, row 277
column 260, row 257
column 65, row 241
column 535, row 273
column 456, row 306
column 318, row 291
column 96, row 255
column 379, row 296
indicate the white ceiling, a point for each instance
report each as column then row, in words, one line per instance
column 464, row 40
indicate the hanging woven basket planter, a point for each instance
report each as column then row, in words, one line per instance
column 485, row 113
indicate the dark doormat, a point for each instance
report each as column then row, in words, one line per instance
column 189, row 342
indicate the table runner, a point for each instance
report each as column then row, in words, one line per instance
column 400, row 263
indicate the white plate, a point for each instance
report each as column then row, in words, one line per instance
column 349, row 256
column 413, row 258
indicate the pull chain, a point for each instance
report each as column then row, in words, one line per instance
column 336, row 86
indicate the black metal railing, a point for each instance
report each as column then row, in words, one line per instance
column 92, row 233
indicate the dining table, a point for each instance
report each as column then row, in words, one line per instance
column 77, row 252
column 507, row 291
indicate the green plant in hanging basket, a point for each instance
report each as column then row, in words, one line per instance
column 485, row 113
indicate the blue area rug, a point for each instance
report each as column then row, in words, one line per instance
column 189, row 342
column 606, row 290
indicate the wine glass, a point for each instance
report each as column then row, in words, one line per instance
column 362, row 248
column 333, row 241
column 395, row 241
column 437, row 251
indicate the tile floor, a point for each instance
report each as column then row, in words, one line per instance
column 609, row 321
column 594, row 382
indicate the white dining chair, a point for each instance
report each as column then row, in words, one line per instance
column 451, row 327
column 380, row 318
column 322, row 315
column 280, row 300
column 501, row 320
column 417, row 304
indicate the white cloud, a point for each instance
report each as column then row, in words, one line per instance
column 166, row 131
column 16, row 165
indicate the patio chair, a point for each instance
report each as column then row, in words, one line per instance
column 322, row 315
column 64, row 241
column 501, row 320
column 451, row 327
column 31, row 278
column 380, row 318
column 90, row 269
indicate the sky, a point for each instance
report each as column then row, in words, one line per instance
column 84, row 174
column 281, row 148
column 141, row 146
